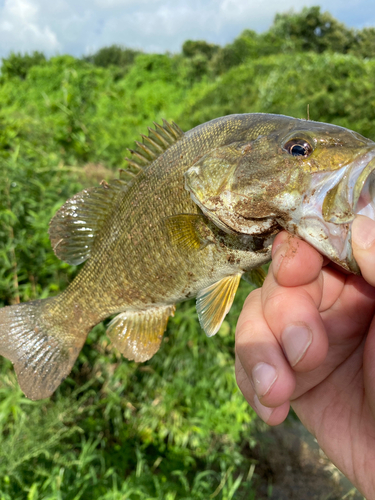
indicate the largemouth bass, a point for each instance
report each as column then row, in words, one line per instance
column 193, row 214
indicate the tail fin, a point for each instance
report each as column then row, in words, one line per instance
column 42, row 342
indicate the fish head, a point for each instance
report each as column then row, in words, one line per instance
column 307, row 177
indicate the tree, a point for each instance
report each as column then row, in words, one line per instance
column 197, row 54
column 311, row 29
column 114, row 55
column 192, row 48
column 364, row 45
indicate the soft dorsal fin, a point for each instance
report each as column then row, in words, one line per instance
column 74, row 227
column 158, row 140
column 214, row 302
column 138, row 334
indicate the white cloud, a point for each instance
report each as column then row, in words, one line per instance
column 21, row 9
column 79, row 26
column 21, row 29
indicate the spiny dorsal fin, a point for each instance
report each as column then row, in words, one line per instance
column 74, row 227
column 126, row 175
column 138, row 334
column 153, row 145
column 214, row 302
column 255, row 277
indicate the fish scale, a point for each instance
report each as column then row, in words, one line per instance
column 193, row 214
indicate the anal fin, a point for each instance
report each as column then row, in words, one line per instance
column 138, row 334
column 215, row 301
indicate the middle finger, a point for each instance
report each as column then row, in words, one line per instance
column 292, row 315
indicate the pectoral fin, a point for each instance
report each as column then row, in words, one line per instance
column 138, row 334
column 215, row 301
column 186, row 231
column 255, row 277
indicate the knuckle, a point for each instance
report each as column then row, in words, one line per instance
column 242, row 379
column 244, row 332
column 253, row 295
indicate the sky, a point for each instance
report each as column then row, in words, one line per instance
column 81, row 27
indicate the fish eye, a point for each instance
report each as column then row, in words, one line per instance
column 298, row 147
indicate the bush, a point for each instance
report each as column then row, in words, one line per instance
column 18, row 65
column 115, row 55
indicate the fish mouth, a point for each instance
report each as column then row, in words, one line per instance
column 322, row 214
column 331, row 203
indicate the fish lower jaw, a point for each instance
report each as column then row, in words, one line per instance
column 324, row 218
column 331, row 240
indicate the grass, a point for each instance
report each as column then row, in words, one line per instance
column 173, row 428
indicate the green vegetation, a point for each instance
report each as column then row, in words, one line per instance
column 175, row 427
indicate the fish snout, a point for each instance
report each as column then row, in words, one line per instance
column 354, row 193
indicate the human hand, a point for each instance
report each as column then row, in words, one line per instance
column 307, row 339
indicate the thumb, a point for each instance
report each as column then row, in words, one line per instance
column 363, row 242
column 369, row 368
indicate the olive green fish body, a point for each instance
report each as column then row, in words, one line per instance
column 194, row 213
column 138, row 265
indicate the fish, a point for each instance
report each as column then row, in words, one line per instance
column 191, row 215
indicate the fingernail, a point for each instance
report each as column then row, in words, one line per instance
column 363, row 232
column 296, row 339
column 276, row 246
column 263, row 377
column 263, row 411
column 277, row 257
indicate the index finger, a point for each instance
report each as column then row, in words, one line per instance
column 294, row 262
column 363, row 241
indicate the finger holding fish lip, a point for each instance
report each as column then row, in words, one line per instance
column 264, row 372
column 290, row 253
column 302, row 265
column 363, row 241
column 265, row 355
